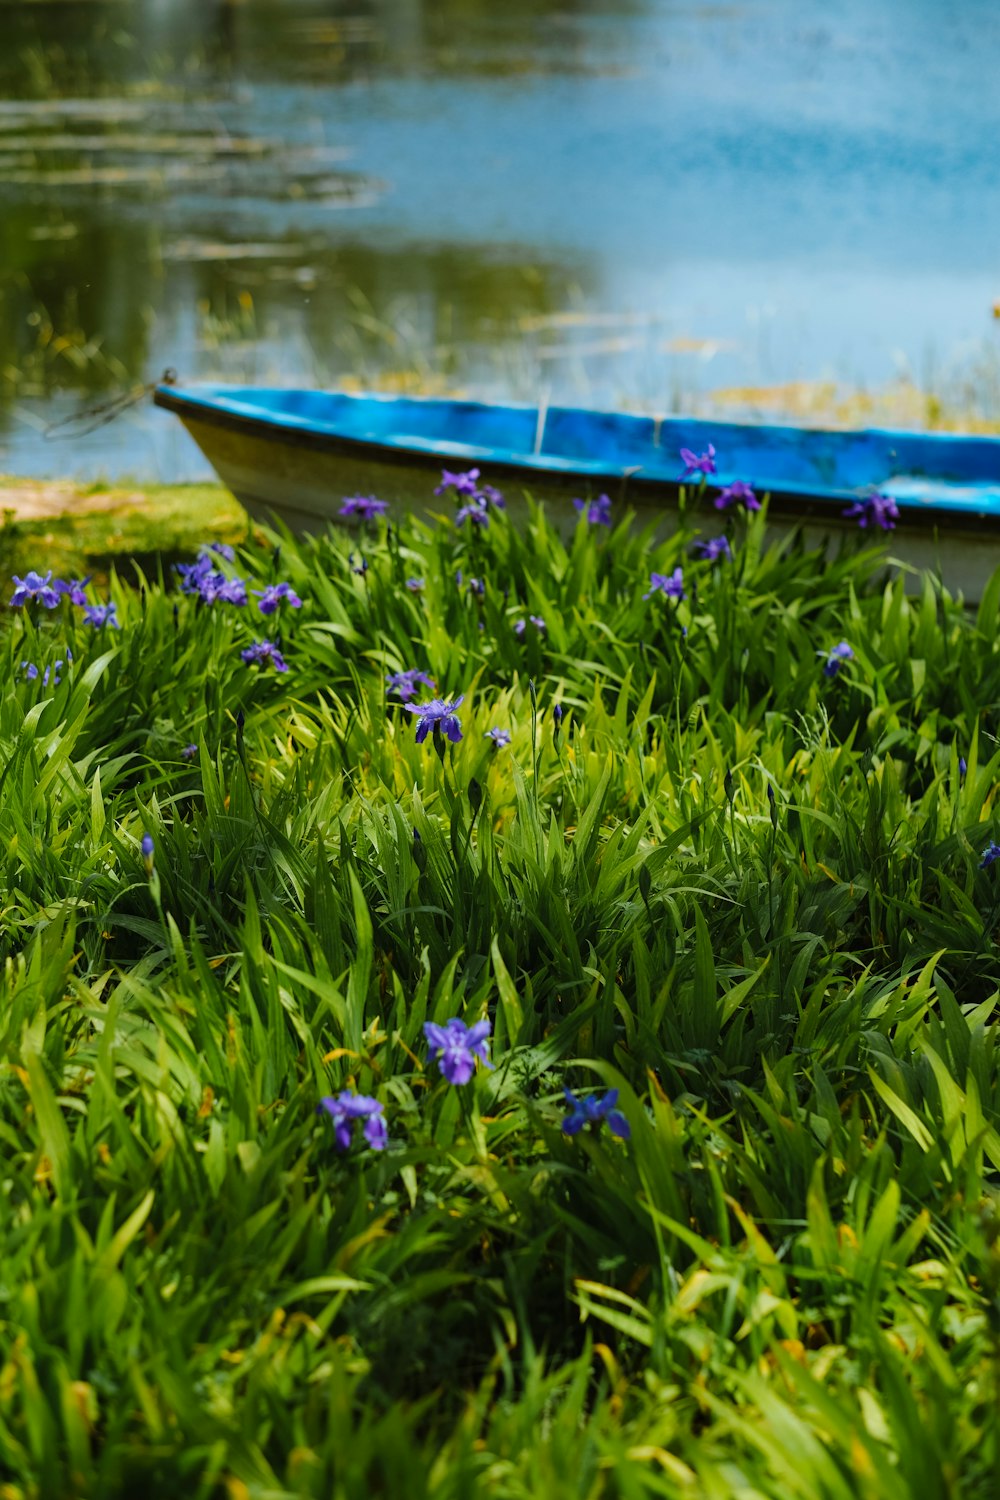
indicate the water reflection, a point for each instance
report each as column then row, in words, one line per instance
column 642, row 202
column 65, row 47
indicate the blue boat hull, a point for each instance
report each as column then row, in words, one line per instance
column 294, row 455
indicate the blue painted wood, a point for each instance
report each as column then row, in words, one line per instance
column 935, row 472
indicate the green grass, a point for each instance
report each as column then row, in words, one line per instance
column 104, row 526
column 785, row 1284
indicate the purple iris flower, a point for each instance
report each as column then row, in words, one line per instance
column 462, row 484
column 595, row 512
column 836, row 659
column 211, row 586
column 344, row 1108
column 30, row 670
column 404, row 684
column 147, row 846
column 366, row 507
column 271, row 597
column 492, row 496
column 456, row 1047
column 990, row 853
column 594, row 1111
column 33, row 588
column 737, row 491
column 962, row 767
column 189, row 752
column 101, row 614
column 202, row 578
column 875, row 510
column 193, row 574
column 477, row 586
column 713, row 549
column 415, row 585
column 520, row 626
column 670, row 584
column 73, row 589
column 498, row 736
column 439, row 716
column 264, row 654
column 229, row 591
column 698, row 463
column 557, row 714
column 475, row 511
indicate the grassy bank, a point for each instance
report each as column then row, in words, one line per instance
column 88, row 529
column 722, row 865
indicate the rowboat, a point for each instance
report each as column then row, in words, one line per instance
column 294, row 455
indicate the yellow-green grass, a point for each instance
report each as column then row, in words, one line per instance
column 85, row 529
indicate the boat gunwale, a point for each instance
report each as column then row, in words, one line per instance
column 817, row 502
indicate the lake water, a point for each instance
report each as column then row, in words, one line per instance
column 638, row 203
